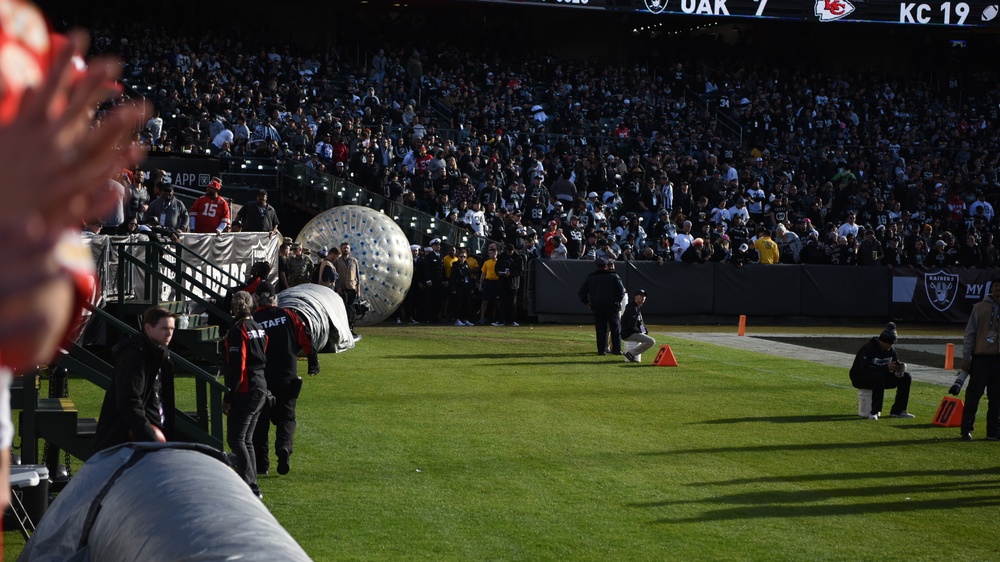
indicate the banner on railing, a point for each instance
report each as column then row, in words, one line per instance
column 233, row 254
column 207, row 259
column 938, row 295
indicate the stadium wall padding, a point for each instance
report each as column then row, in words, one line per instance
column 725, row 290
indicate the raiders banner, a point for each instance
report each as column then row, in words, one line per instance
column 938, row 295
column 233, row 254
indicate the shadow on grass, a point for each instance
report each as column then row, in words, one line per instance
column 467, row 356
column 800, row 478
column 781, row 419
column 784, row 511
column 952, row 487
column 794, row 447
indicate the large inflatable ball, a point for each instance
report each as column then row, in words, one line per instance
column 385, row 263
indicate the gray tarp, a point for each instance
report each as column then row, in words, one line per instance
column 324, row 312
column 157, row 502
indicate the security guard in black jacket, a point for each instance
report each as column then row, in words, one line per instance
column 286, row 337
column 602, row 291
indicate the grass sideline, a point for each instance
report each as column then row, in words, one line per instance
column 441, row 443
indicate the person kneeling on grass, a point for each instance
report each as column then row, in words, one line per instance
column 634, row 329
column 876, row 367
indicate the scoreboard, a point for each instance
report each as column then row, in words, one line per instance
column 965, row 13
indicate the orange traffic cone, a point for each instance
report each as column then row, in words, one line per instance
column 665, row 357
column 949, row 413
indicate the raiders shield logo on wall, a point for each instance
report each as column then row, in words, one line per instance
column 941, row 289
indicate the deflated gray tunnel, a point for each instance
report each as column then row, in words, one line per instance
column 159, row 502
column 324, row 313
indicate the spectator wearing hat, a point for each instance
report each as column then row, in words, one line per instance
column 300, row 267
column 602, row 292
column 552, row 238
column 286, row 337
column 870, row 251
column 877, row 367
column 939, row 256
column 509, row 268
column 433, row 282
column 721, row 250
column 894, row 255
column 981, row 358
column 168, row 212
column 739, row 208
column 634, row 329
column 210, row 213
column 258, row 215
column 475, row 217
column 663, row 225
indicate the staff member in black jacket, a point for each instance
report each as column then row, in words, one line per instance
column 877, row 367
column 510, row 266
column 139, row 404
column 602, row 291
column 246, row 386
column 286, row 337
column 634, row 329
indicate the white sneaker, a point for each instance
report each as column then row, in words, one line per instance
column 399, row 320
column 467, row 323
column 873, row 416
column 497, row 324
column 514, row 324
column 459, row 323
column 904, row 415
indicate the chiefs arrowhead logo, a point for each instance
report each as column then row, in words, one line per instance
column 833, row 10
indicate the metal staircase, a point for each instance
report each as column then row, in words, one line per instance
column 194, row 351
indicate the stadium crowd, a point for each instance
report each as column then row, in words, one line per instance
column 730, row 161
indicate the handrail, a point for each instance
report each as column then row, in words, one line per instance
column 199, row 373
column 178, row 256
column 151, row 269
column 725, row 121
column 208, row 391
column 170, row 247
column 326, row 191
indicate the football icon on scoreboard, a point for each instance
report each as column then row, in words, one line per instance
column 990, row 12
column 833, row 10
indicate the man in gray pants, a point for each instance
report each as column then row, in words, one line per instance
column 634, row 329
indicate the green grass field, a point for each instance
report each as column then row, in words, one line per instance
column 440, row 443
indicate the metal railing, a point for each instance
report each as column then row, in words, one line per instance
column 318, row 192
column 208, row 391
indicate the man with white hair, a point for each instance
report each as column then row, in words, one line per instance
column 789, row 244
column 683, row 240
